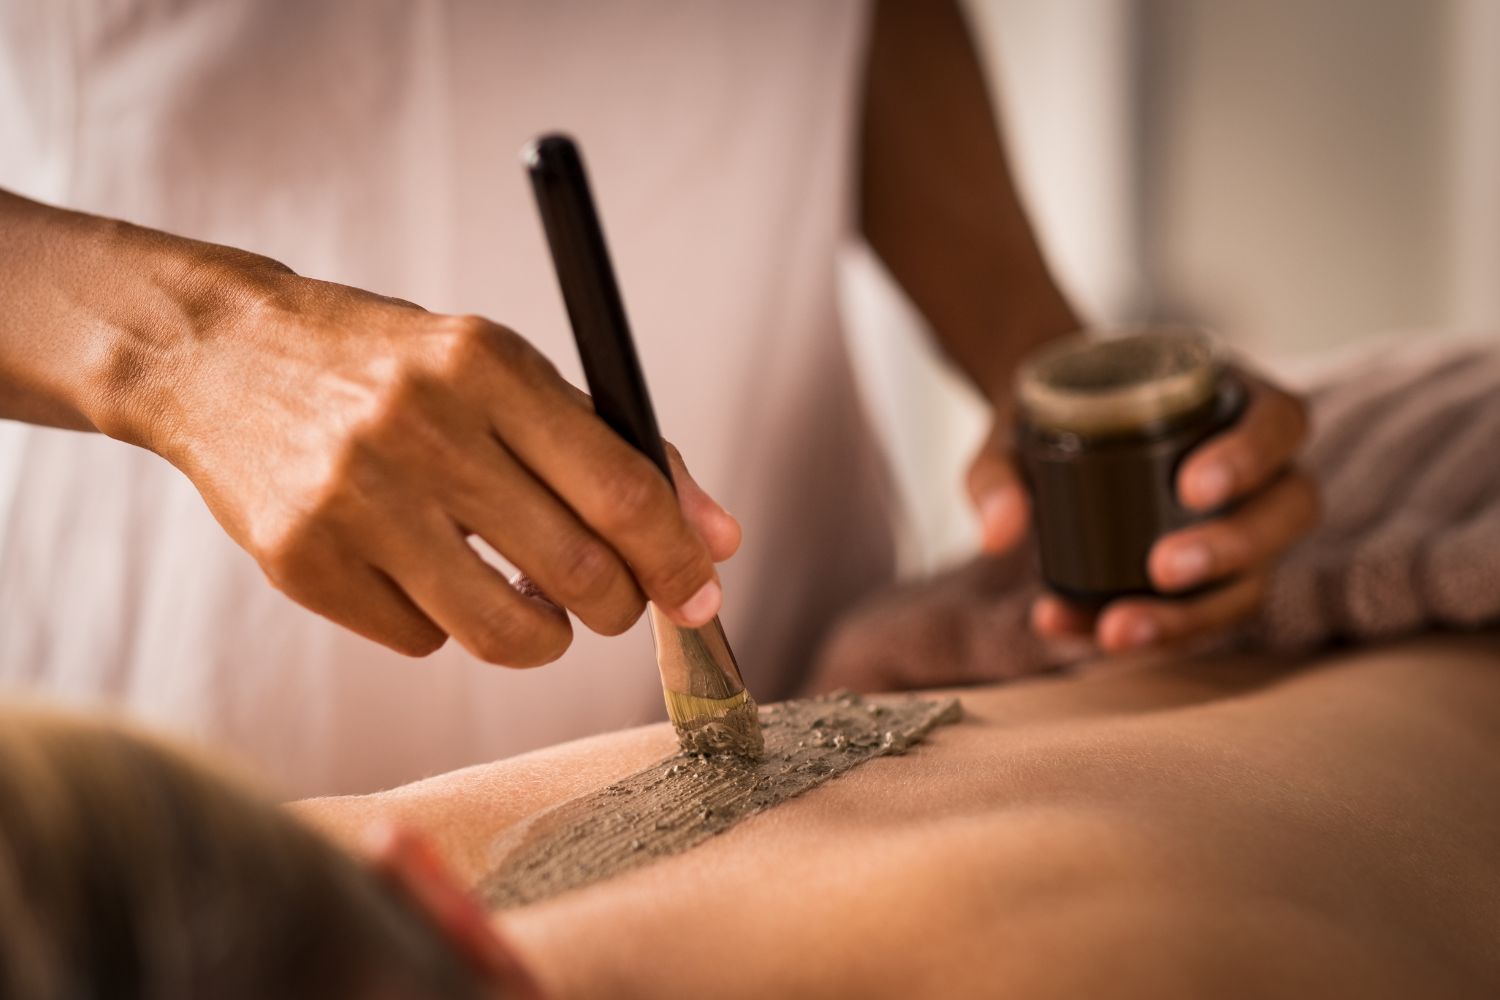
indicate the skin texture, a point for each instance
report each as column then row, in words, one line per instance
column 1159, row 829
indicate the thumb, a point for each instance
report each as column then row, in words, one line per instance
column 997, row 494
column 715, row 525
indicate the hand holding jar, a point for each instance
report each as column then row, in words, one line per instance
column 1160, row 481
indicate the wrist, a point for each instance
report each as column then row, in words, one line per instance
column 159, row 300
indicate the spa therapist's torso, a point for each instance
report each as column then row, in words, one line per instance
column 375, row 145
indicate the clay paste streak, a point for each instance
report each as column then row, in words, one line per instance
column 683, row 800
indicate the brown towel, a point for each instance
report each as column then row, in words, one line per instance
column 1406, row 448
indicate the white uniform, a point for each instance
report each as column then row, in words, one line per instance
column 375, row 143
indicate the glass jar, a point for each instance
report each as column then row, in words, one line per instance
column 1103, row 426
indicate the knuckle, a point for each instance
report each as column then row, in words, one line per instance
column 680, row 576
column 353, row 478
column 495, row 636
column 393, row 408
column 1245, row 461
column 290, row 560
column 458, row 344
column 502, row 635
column 588, row 570
column 549, row 645
column 467, row 329
column 618, row 620
column 420, row 640
column 541, row 646
column 404, row 426
column 1234, row 546
column 472, row 344
column 392, row 413
column 510, row 349
column 633, row 497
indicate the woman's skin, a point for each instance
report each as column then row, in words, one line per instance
column 381, row 435
column 1235, row 826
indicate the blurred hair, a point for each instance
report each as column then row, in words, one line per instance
column 130, row 871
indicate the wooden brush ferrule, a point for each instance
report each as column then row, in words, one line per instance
column 705, row 695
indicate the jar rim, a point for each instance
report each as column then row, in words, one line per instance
column 1118, row 381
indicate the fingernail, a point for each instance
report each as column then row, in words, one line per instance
column 1142, row 632
column 700, row 609
column 1187, row 564
column 1212, row 484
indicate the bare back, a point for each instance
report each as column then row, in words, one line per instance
column 1232, row 827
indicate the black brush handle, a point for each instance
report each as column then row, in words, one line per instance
column 589, row 290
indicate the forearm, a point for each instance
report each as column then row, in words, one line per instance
column 98, row 314
column 937, row 200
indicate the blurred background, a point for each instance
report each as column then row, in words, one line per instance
column 1306, row 177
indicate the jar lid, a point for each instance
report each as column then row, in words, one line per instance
column 1122, row 383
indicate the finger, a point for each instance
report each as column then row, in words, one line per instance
column 501, row 502
column 1247, row 455
column 1255, row 532
column 359, row 597
column 715, row 525
column 433, row 563
column 997, row 494
column 1055, row 618
column 1138, row 623
column 613, row 489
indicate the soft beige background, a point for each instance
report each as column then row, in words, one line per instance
column 1302, row 175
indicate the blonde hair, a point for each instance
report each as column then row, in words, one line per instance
column 129, row 870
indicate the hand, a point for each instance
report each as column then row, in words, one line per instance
column 1251, row 463
column 966, row 625
column 353, row 444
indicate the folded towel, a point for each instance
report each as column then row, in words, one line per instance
column 1406, row 450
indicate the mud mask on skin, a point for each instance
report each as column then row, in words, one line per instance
column 682, row 801
column 1103, row 427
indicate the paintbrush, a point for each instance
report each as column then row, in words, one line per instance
column 705, row 695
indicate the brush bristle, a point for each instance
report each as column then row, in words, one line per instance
column 686, row 708
column 716, row 725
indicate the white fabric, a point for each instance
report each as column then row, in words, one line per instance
column 375, row 143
